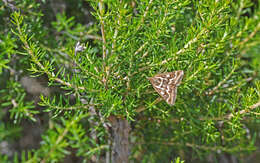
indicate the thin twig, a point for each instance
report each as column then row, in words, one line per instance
column 27, row 113
column 241, row 6
column 113, row 45
column 142, row 108
column 105, row 68
column 220, row 83
column 229, row 116
column 35, row 59
column 73, row 107
column 251, row 35
column 59, row 139
column 202, row 32
column 93, row 37
column 52, row 75
column 87, row 72
column 129, row 74
column 207, row 148
column 85, row 36
column 141, row 48
column 101, row 10
column 145, row 13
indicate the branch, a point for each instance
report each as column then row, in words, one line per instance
column 252, row 107
column 88, row 72
column 93, row 37
column 105, row 69
column 85, row 36
column 202, row 32
column 142, row 108
column 141, row 48
column 207, row 148
column 220, row 83
column 251, row 35
column 60, row 138
column 239, row 11
column 72, row 107
column 101, row 10
column 228, row 116
column 145, row 13
column 37, row 62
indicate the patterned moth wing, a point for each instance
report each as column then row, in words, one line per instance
column 166, row 85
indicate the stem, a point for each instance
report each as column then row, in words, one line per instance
column 120, row 134
column 101, row 10
column 106, row 71
column 38, row 63
column 220, row 83
column 229, row 116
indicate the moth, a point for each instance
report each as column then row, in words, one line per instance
column 166, row 85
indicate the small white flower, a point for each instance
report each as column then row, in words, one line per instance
column 79, row 48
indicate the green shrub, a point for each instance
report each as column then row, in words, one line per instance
column 99, row 105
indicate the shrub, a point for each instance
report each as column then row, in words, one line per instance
column 99, row 104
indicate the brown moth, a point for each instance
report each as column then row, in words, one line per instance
column 166, row 85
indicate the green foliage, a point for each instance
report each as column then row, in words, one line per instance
column 178, row 160
column 15, row 99
column 215, row 43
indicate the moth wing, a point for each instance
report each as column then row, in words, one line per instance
column 172, row 98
